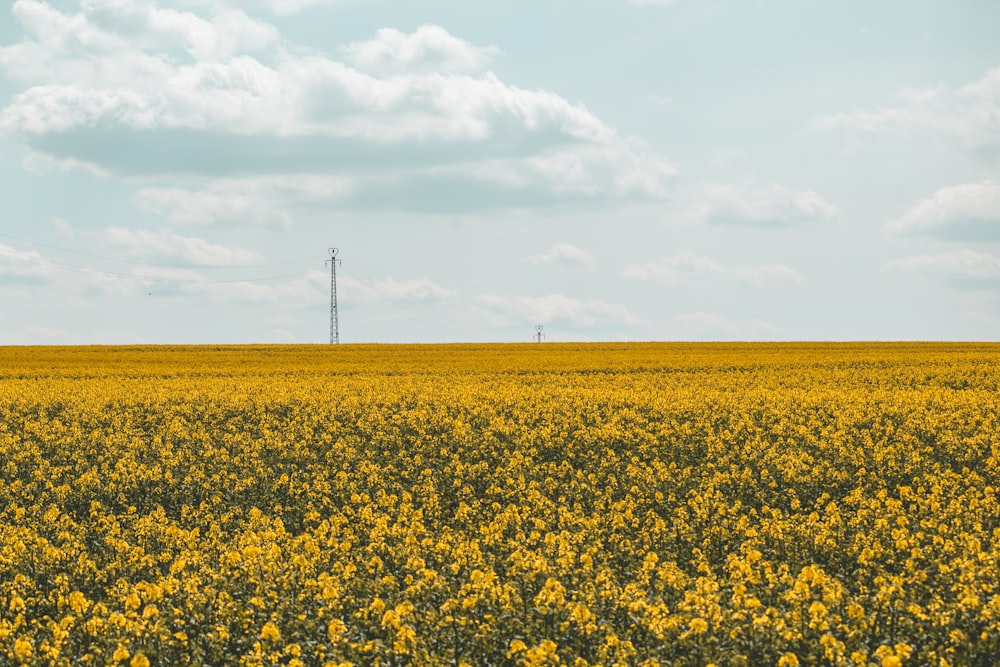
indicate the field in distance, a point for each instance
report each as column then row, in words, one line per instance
column 582, row 504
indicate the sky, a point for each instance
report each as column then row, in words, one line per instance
column 176, row 171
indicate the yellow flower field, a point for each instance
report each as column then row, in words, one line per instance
column 631, row 504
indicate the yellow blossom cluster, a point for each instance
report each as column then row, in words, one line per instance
column 601, row 504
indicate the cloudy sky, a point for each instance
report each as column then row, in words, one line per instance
column 174, row 171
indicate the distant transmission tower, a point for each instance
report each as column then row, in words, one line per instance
column 334, row 324
column 538, row 333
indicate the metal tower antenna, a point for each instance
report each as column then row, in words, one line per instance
column 334, row 324
column 538, row 333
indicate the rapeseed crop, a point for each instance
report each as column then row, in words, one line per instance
column 629, row 504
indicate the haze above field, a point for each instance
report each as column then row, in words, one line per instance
column 174, row 172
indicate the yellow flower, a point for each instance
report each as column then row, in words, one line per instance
column 405, row 637
column 120, row 654
column 270, row 632
column 336, row 629
column 788, row 660
column 551, row 596
column 515, row 647
column 543, row 654
column 78, row 602
column 23, row 648
column 554, row 457
column 698, row 626
column 139, row 660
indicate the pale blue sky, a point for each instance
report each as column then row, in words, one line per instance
column 173, row 171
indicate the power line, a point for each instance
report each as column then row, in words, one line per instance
column 62, row 266
column 151, row 264
column 413, row 311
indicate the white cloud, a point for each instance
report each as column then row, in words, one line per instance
column 49, row 335
column 967, row 211
column 31, row 271
column 256, row 202
column 554, row 308
column 148, row 245
column 606, row 168
column 276, row 7
column 686, row 267
column 136, row 89
column 83, row 47
column 964, row 268
column 18, row 267
column 566, row 254
column 273, row 199
column 969, row 114
column 311, row 288
column 282, row 7
column 389, row 289
column 296, row 291
column 41, row 164
column 711, row 326
column 427, row 50
column 759, row 205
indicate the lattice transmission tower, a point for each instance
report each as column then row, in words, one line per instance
column 334, row 324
